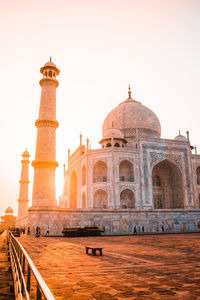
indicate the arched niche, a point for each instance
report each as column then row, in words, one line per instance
column 73, row 190
column 198, row 175
column 167, row 185
column 127, row 199
column 100, row 199
column 126, row 171
column 83, row 200
column 100, row 172
column 83, row 175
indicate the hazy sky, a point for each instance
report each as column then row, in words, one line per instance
column 100, row 46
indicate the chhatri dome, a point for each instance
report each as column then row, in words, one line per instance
column 181, row 137
column 133, row 119
column 9, row 210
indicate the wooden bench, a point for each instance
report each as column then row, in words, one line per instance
column 94, row 250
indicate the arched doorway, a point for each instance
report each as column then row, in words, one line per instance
column 100, row 199
column 127, row 199
column 100, row 172
column 126, row 171
column 73, row 190
column 167, row 185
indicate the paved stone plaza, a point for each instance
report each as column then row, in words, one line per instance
column 6, row 281
column 132, row 267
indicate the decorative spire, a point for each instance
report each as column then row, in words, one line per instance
column 188, row 137
column 50, row 58
column 81, row 139
column 64, row 170
column 87, row 143
column 129, row 91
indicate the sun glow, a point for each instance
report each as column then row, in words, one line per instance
column 99, row 47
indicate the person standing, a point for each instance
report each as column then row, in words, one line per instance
column 47, row 233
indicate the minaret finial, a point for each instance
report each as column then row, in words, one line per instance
column 50, row 58
column 129, row 91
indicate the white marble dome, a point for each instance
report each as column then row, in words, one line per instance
column 132, row 119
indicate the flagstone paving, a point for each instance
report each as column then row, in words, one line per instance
column 5, row 273
column 132, row 267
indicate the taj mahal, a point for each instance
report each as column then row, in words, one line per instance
column 135, row 181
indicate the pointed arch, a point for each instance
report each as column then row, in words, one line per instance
column 83, row 175
column 167, row 184
column 100, row 199
column 126, row 171
column 127, row 199
column 73, row 190
column 100, row 172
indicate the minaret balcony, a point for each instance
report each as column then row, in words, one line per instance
column 44, row 164
column 49, row 123
column 48, row 80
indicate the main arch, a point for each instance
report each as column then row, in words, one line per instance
column 167, row 185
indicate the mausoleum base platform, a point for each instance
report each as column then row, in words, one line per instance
column 114, row 221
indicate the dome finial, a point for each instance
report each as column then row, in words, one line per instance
column 129, row 91
column 179, row 132
column 50, row 58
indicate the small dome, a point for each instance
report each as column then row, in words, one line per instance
column 50, row 64
column 9, row 210
column 132, row 119
column 26, row 153
column 113, row 133
column 181, row 138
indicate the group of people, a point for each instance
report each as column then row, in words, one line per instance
column 38, row 231
column 140, row 229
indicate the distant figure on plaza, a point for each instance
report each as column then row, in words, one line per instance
column 142, row 228
column 47, row 233
column 135, row 229
column 28, row 231
column 37, row 231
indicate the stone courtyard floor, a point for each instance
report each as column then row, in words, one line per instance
column 132, row 267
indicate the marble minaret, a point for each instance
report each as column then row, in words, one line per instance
column 45, row 157
column 23, row 192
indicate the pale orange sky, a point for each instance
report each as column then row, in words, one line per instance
column 100, row 46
